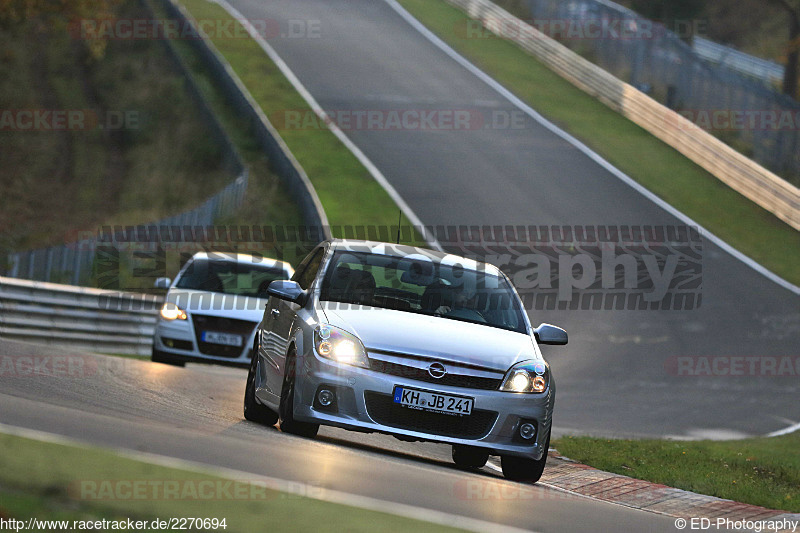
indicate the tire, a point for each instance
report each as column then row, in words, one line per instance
column 522, row 468
column 286, row 411
column 254, row 411
column 469, row 456
column 161, row 357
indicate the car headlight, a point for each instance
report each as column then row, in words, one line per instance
column 338, row 345
column 528, row 376
column 170, row 311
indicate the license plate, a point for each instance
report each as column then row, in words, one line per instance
column 228, row 339
column 433, row 401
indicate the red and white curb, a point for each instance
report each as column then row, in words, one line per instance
column 579, row 479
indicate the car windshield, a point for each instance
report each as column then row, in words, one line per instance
column 424, row 285
column 229, row 277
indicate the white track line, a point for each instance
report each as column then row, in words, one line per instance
column 312, row 102
column 508, row 95
column 277, row 484
column 784, row 431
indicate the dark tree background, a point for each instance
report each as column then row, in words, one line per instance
column 792, row 8
column 55, row 15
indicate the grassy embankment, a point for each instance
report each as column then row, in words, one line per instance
column 150, row 154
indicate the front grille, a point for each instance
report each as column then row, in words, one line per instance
column 223, row 325
column 382, row 409
column 421, row 374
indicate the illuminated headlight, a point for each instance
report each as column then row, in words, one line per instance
column 528, row 376
column 340, row 346
column 170, row 311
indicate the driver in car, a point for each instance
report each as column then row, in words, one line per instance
column 464, row 305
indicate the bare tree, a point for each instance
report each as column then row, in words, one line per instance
column 792, row 8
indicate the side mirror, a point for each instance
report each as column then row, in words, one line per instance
column 287, row 290
column 162, row 283
column 549, row 334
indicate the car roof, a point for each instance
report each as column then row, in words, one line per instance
column 236, row 257
column 404, row 250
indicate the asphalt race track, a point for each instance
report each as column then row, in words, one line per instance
column 195, row 413
column 614, row 377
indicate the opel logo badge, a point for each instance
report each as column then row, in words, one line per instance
column 437, row 370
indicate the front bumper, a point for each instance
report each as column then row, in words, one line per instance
column 364, row 402
column 177, row 339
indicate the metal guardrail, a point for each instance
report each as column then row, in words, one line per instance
column 78, row 317
column 729, row 166
column 754, row 67
column 658, row 61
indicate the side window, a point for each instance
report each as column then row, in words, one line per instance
column 307, row 270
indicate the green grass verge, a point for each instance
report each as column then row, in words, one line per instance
column 760, row 471
column 57, row 482
column 349, row 194
column 749, row 228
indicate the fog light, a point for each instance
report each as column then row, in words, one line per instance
column 527, row 431
column 325, row 397
column 325, row 348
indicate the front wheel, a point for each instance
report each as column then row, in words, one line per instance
column 469, row 456
column 288, row 423
column 523, row 468
column 167, row 359
column 253, row 410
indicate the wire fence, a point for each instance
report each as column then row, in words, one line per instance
column 744, row 112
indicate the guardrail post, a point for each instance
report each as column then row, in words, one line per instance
column 31, row 263
column 14, row 259
column 76, row 264
column 49, row 264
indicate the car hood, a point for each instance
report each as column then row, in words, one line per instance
column 217, row 304
column 444, row 338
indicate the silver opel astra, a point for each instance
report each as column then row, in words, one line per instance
column 422, row 345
